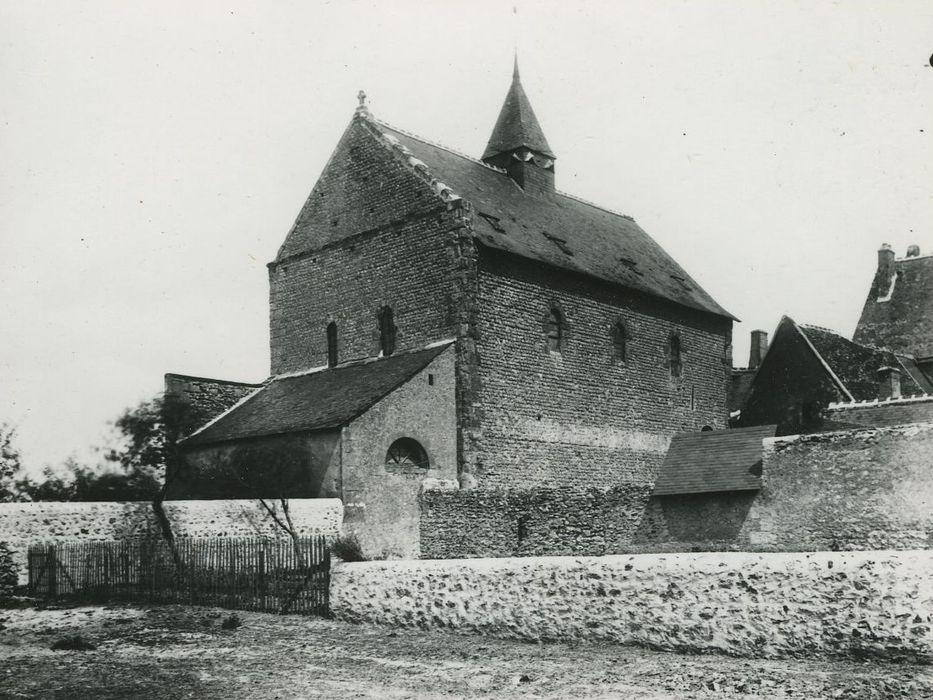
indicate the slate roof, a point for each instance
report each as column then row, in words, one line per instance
column 713, row 461
column 517, row 125
column 856, row 366
column 903, row 323
column 318, row 400
column 589, row 239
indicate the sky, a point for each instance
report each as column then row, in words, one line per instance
column 153, row 155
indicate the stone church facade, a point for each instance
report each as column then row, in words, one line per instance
column 438, row 316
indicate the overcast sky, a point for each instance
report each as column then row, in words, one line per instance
column 153, row 156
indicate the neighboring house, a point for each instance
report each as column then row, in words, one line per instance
column 807, row 368
column 435, row 315
column 898, row 313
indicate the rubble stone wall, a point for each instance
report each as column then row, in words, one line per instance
column 755, row 605
column 533, row 522
column 853, row 489
column 25, row 524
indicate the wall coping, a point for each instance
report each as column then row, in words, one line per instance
column 907, row 429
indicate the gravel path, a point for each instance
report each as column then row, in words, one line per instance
column 177, row 652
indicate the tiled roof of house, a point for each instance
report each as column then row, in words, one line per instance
column 856, row 366
column 711, row 461
column 316, row 400
column 556, row 228
column 900, row 319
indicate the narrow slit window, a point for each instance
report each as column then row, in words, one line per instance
column 619, row 341
column 675, row 356
column 387, row 330
column 332, row 344
column 555, row 329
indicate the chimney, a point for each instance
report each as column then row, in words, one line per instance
column 758, row 349
column 913, row 251
column 889, row 383
column 885, row 274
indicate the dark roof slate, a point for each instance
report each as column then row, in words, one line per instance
column 856, row 365
column 517, row 125
column 713, row 461
column 601, row 243
column 318, row 400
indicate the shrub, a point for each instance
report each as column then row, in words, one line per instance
column 347, row 547
column 8, row 578
column 231, row 622
column 75, row 643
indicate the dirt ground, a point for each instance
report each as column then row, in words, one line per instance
column 176, row 652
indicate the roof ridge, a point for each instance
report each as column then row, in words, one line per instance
column 361, row 361
column 825, row 329
column 908, row 258
column 435, row 144
column 594, row 205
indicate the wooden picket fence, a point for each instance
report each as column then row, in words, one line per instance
column 268, row 575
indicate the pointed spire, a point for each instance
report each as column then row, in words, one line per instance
column 517, row 126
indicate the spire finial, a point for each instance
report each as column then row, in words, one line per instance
column 515, row 75
column 361, row 109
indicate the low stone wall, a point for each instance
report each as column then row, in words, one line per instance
column 539, row 521
column 755, row 605
column 25, row 524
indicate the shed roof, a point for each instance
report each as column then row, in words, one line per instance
column 316, row 400
column 712, row 461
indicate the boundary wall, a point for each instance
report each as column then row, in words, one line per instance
column 859, row 604
column 47, row 522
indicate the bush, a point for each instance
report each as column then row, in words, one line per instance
column 8, row 578
column 75, row 643
column 347, row 547
column 232, row 622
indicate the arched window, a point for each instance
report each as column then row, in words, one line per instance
column 675, row 358
column 331, row 344
column 386, row 331
column 619, row 336
column 554, row 329
column 406, row 454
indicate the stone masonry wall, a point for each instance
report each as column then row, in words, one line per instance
column 25, row 524
column 854, row 489
column 754, row 605
column 580, row 418
column 497, row 523
column 382, row 500
column 859, row 489
column 371, row 234
column 202, row 399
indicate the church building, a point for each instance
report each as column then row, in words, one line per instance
column 438, row 316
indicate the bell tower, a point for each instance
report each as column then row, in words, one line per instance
column 518, row 145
